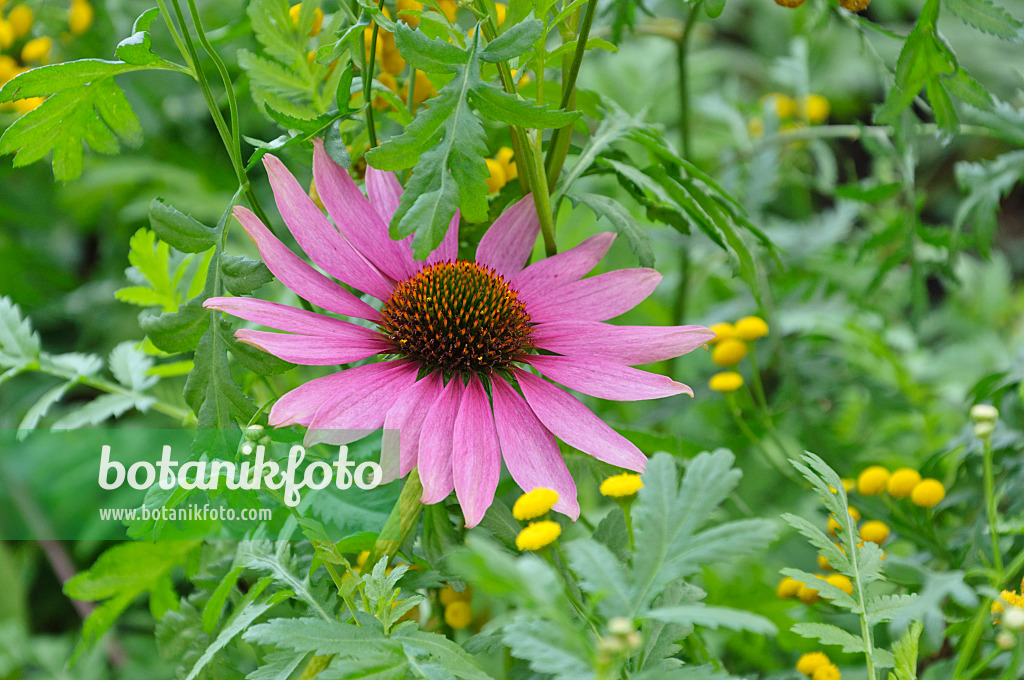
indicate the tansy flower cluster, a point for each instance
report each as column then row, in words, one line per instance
column 1008, row 598
column 901, row 483
column 729, row 347
column 789, row 588
column 531, row 505
column 813, row 109
column 458, row 610
column 817, row 666
column 21, row 51
column 501, row 169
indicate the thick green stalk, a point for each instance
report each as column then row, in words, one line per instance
column 993, row 514
column 371, row 130
column 400, row 522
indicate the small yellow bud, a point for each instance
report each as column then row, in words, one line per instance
column 848, row 484
column 928, row 493
column 787, row 588
column 538, row 535
column 751, row 328
column 783, row 105
column 506, row 156
column 816, row 108
column 534, row 503
column 501, row 10
column 621, row 485
column 872, row 480
column 25, row 105
column 21, row 19
column 828, row 672
column 361, row 558
column 8, row 68
column 807, row 595
column 424, row 89
column 496, row 177
column 6, row 34
column 902, row 482
column 722, row 331
column 36, row 49
column 449, row 8
column 388, row 81
column 823, row 563
column 80, row 16
column 729, row 352
column 811, row 662
column 413, row 5
column 318, row 18
column 449, row 595
column 390, row 60
column 839, row 581
column 854, row 513
column 874, row 532
column 458, row 615
column 727, row 381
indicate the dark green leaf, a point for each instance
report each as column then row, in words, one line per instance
column 242, row 275
column 178, row 229
column 514, row 42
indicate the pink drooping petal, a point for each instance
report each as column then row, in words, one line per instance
column 318, row 237
column 507, row 245
column 317, row 350
column 572, row 422
column 384, row 191
column 630, row 345
column 436, row 441
column 448, row 251
column 606, row 380
column 563, row 268
column 597, row 298
column 362, row 410
column 357, row 219
column 300, row 277
column 276, row 315
column 476, row 456
column 403, row 423
column 530, row 451
column 299, row 406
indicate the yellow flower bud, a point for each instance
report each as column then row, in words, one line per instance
column 25, row 105
column 751, row 328
column 816, row 108
column 506, row 157
column 848, row 484
column 729, row 352
column 21, row 19
column 496, row 178
column 450, row 595
column 872, row 480
column 390, row 60
column 458, row 615
column 534, row 503
column 823, row 563
column 538, row 535
column 828, row 672
column 413, row 5
column 621, row 485
column 318, row 18
column 726, row 381
column 854, row 513
column 424, row 89
column 449, row 8
column 928, row 493
column 388, row 81
column 36, row 49
column 787, row 588
column 811, row 662
column 874, row 531
column 501, row 10
column 807, row 595
column 80, row 17
column 783, row 105
column 6, row 34
column 841, row 582
column 902, row 482
column 8, row 68
column 722, row 331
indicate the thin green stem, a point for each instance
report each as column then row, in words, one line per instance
column 769, row 456
column 682, row 49
column 981, row 665
column 758, row 388
column 558, row 146
column 371, row 129
column 969, row 642
column 993, row 513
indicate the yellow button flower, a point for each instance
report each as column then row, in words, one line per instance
column 25, row 105
column 787, row 588
column 816, row 108
column 902, row 482
column 621, row 485
column 751, row 328
column 534, row 503
column 1008, row 597
column 872, row 480
column 807, row 595
column 501, row 10
column 80, row 17
column 928, row 493
column 388, row 81
column 506, row 156
column 8, row 68
column 450, row 595
column 318, row 18
column 424, row 89
column 726, row 381
column 6, row 34
column 783, row 105
column 458, row 615
column 414, row 5
column 827, row 672
column 538, row 535
column 848, row 484
column 722, row 331
column 823, row 563
column 729, row 352
column 854, row 513
column 811, row 662
column 839, row 581
column 36, row 49
column 21, row 19
column 874, row 532
column 390, row 60
column 496, row 176
column 449, row 8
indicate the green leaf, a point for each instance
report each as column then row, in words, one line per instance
column 986, row 183
column 278, row 666
column 210, row 390
column 714, row 8
column 623, row 222
column 242, row 275
column 275, row 559
column 451, row 657
column 178, row 331
column 100, row 409
column 601, row 575
column 515, row 41
column 19, row 343
column 714, row 618
column 543, row 645
column 40, row 408
column 137, row 49
column 885, row 607
column 131, row 366
column 178, row 229
column 828, row 634
column 905, row 653
column 989, row 17
column 316, row 635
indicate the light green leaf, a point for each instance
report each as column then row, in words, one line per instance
column 178, row 229
column 623, row 222
column 137, row 49
column 130, row 366
column 19, row 343
column 828, row 634
column 989, row 17
column 714, row 618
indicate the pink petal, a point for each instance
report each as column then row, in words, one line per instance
column 357, row 219
column 597, row 298
column 448, row 251
column 403, row 424
column 321, row 241
column 299, row 405
column 630, row 345
column 316, row 350
column 384, row 191
column 530, row 451
column 507, row 245
column 606, row 380
column 572, row 422
column 363, row 407
column 436, row 441
column 563, row 268
column 301, row 278
column 276, row 315
column 476, row 457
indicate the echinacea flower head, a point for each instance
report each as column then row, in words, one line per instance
column 812, row 661
column 621, row 485
column 538, row 535
column 534, row 503
column 459, row 341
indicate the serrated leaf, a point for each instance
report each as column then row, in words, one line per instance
column 714, row 618
column 828, row 634
column 137, row 49
column 315, row 635
column 242, row 275
column 514, row 42
column 178, row 229
column 278, row 666
column 178, row 331
column 543, row 645
column 210, row 390
column 601, row 575
column 989, row 17
column 131, row 366
column 40, row 408
column 100, row 409
column 19, row 343
column 905, row 652
column 885, row 607
column 623, row 222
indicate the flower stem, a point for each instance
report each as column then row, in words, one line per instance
column 993, row 513
column 758, row 388
column 371, row 130
column 400, row 522
column 682, row 48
